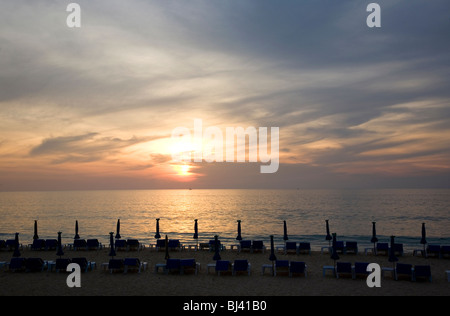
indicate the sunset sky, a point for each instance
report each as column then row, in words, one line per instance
column 94, row 107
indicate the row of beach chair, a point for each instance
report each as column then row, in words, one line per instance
column 39, row 265
column 401, row 270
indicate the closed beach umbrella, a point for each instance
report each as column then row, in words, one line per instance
column 392, row 257
column 16, row 253
column 334, row 254
column 272, row 257
column 118, row 230
column 60, row 252
column 157, row 236
column 328, row 236
column 285, row 237
column 112, row 252
column 76, row 231
column 374, row 239
column 216, row 249
column 423, row 241
column 167, row 248
column 36, row 236
column 239, row 236
column 196, row 229
column 272, row 250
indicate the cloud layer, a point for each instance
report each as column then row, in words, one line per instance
column 349, row 100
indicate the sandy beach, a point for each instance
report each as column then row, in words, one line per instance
column 102, row 283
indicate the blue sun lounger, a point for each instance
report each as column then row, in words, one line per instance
column 361, row 269
column 116, row 265
column 296, row 267
column 223, row 267
column 422, row 272
column 281, row 265
column 241, row 266
column 304, row 247
column 34, row 265
column 344, row 268
column 404, row 270
column 290, row 247
column 62, row 264
column 17, row 265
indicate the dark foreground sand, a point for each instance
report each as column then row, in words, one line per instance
column 99, row 282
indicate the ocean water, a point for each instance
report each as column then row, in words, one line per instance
column 262, row 212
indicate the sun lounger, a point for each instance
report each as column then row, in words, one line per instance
column 382, row 247
column 160, row 244
column 173, row 265
column 17, row 265
column 120, row 245
column 93, row 244
column 351, row 247
column 133, row 245
column 361, row 269
column 297, row 268
column 133, row 264
column 245, row 245
column 344, row 268
column 189, row 265
column 404, row 270
column 280, row 266
column 174, row 245
column 61, row 264
column 51, row 244
column 398, row 248
column 10, row 244
column 38, row 244
column 34, row 265
column 79, row 244
column 291, row 247
column 445, row 251
column 340, row 247
column 116, row 265
column 434, row 250
column 422, row 272
column 84, row 264
column 241, row 266
column 304, row 247
column 258, row 245
column 223, row 267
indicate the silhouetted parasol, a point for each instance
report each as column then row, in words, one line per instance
column 118, row 230
column 157, row 236
column 423, row 241
column 60, row 251
column 16, row 253
column 36, row 236
column 76, row 231
column 196, row 229
column 334, row 254
column 239, row 236
column 272, row 257
column 167, row 248
column 285, row 237
column 392, row 257
column 374, row 239
column 112, row 252
column 328, row 236
column 216, row 249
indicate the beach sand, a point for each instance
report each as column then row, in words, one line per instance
column 100, row 283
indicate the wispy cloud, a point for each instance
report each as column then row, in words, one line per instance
column 84, row 148
column 346, row 98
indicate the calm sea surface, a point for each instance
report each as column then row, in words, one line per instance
column 262, row 212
